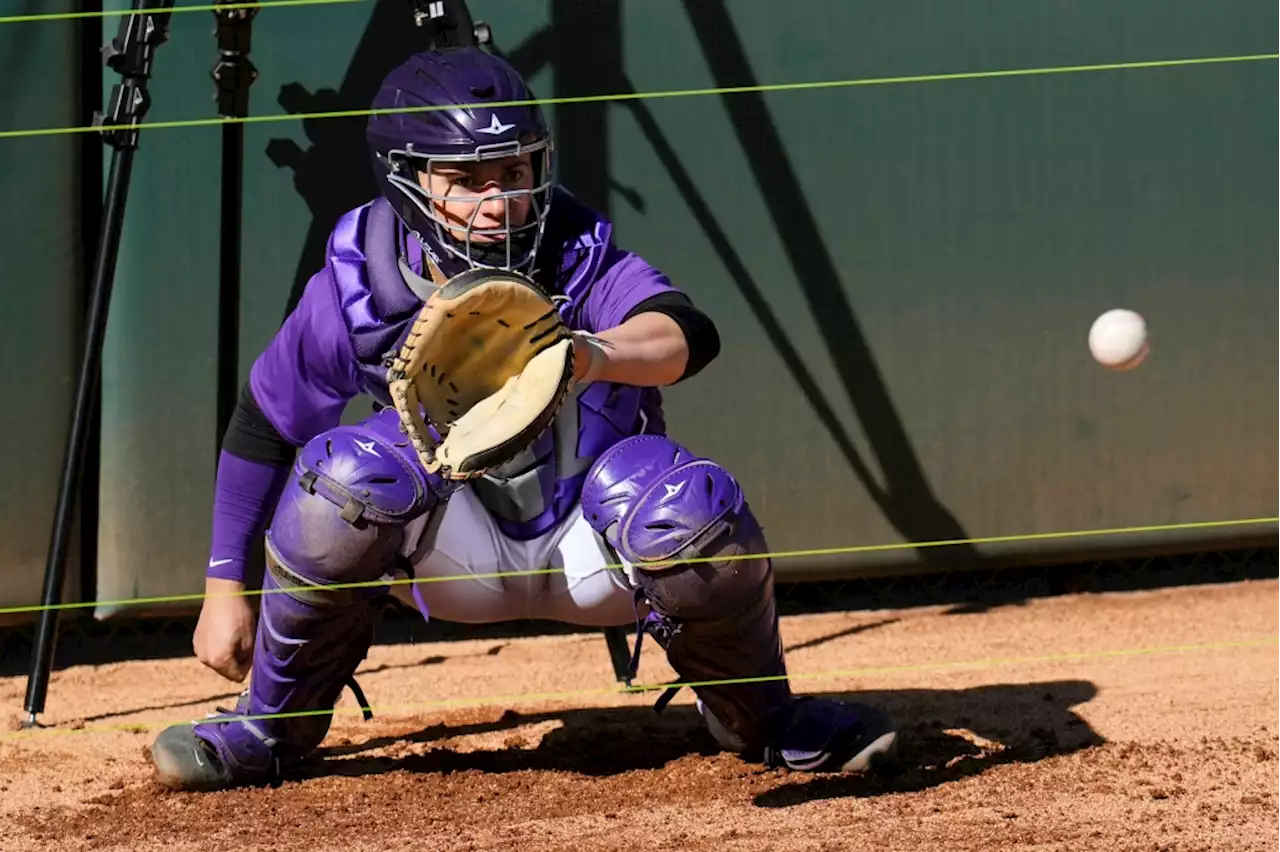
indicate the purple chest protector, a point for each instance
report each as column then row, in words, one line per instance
column 369, row 247
column 378, row 305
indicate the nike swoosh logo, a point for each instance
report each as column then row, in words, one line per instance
column 214, row 563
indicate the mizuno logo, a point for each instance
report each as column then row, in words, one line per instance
column 495, row 128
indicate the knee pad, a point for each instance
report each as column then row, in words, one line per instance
column 700, row 557
column 682, row 521
column 342, row 518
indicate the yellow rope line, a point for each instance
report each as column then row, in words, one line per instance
column 781, row 554
column 679, row 93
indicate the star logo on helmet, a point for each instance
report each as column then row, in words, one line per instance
column 495, row 128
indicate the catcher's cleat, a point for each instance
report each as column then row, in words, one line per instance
column 224, row 750
column 234, row 756
column 202, row 758
column 821, row 735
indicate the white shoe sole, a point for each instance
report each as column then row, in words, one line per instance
column 879, row 748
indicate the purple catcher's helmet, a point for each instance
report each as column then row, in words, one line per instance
column 459, row 83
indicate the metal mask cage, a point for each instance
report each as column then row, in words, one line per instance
column 405, row 164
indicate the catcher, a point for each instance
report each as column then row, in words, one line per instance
column 517, row 355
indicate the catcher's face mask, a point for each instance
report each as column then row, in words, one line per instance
column 489, row 208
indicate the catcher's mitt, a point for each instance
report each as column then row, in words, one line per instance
column 482, row 373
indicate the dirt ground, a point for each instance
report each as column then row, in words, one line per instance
column 1125, row 721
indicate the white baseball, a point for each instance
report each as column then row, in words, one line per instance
column 1118, row 339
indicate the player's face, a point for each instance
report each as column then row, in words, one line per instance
column 460, row 187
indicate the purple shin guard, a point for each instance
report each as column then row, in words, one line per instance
column 684, row 524
column 303, row 657
column 340, row 521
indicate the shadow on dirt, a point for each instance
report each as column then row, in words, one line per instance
column 946, row 735
column 841, row 634
column 86, row 642
column 207, row 703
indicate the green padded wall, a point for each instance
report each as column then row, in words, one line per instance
column 920, row 264
column 903, row 275
column 158, row 441
column 41, row 307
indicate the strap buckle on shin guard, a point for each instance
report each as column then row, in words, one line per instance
column 663, row 629
column 242, row 701
column 667, row 694
column 352, row 509
column 363, row 702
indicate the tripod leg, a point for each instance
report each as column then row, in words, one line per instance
column 130, row 54
column 73, row 455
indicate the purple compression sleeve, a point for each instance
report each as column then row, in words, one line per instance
column 243, row 500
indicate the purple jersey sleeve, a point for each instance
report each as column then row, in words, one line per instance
column 626, row 280
column 244, row 496
column 307, row 374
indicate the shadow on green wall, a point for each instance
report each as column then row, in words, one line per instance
column 332, row 175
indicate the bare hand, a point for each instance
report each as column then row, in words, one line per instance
column 224, row 634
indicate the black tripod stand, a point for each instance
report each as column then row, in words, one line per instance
column 130, row 54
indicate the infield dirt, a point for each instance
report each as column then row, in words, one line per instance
column 1124, row 721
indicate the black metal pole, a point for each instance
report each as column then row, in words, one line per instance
column 229, row 277
column 129, row 54
column 233, row 75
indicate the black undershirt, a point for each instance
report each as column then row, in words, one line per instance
column 699, row 331
column 251, row 436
